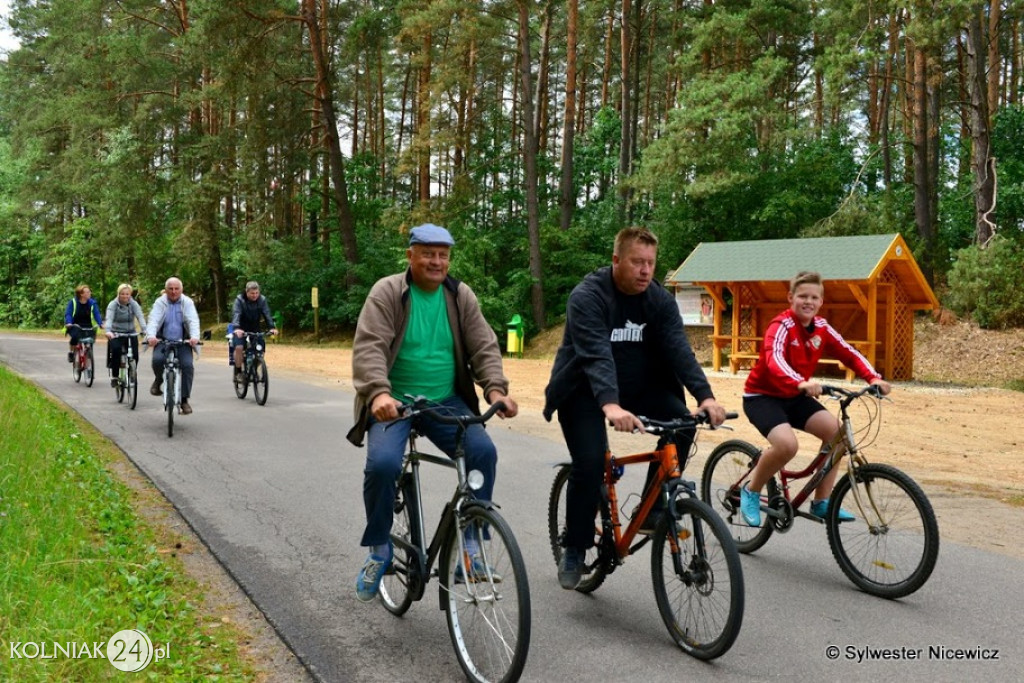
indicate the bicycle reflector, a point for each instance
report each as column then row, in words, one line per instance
column 475, row 478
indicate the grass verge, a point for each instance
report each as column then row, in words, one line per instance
column 77, row 564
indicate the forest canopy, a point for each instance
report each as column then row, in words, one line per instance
column 295, row 142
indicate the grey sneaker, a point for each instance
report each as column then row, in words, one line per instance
column 570, row 568
column 477, row 572
column 368, row 581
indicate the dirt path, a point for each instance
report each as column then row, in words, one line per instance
column 962, row 445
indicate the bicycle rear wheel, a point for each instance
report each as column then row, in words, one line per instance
column 119, row 386
column 90, row 366
column 891, row 548
column 698, row 580
column 728, row 467
column 77, row 364
column 132, row 383
column 170, row 400
column 260, row 381
column 401, row 583
column 486, row 597
column 556, row 533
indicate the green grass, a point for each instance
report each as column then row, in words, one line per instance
column 77, row 564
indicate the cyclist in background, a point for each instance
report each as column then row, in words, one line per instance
column 624, row 353
column 246, row 314
column 122, row 312
column 420, row 333
column 780, row 393
column 174, row 316
column 81, row 311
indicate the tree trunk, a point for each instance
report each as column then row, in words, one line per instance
column 423, row 120
column 922, row 206
column 325, row 90
column 566, row 191
column 982, row 163
column 625, row 102
column 530, row 150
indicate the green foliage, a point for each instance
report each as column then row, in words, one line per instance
column 985, row 284
column 1008, row 149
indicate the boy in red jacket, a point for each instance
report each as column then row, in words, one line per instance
column 780, row 394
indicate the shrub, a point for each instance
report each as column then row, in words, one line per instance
column 985, row 284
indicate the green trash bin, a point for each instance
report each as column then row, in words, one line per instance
column 514, row 337
column 277, row 323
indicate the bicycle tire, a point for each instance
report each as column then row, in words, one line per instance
column 699, row 591
column 132, row 389
column 260, row 381
column 400, row 583
column 556, row 533
column 895, row 557
column 119, row 388
column 76, row 365
column 728, row 465
column 241, row 382
column 90, row 366
column 488, row 612
column 170, row 401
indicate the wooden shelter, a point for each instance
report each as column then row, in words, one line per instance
column 873, row 285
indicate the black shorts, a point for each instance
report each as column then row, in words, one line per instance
column 768, row 412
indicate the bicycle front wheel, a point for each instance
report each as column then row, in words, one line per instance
column 132, row 383
column 486, row 597
column 698, row 580
column 260, row 382
column 891, row 548
column 241, row 382
column 400, row 583
column 556, row 533
column 170, row 401
column 727, row 469
column 90, row 366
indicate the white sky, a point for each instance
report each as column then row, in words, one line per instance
column 7, row 41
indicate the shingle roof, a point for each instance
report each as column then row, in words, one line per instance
column 836, row 258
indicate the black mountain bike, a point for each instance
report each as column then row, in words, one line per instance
column 486, row 597
column 254, row 369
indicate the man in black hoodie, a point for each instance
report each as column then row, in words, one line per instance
column 624, row 353
column 247, row 313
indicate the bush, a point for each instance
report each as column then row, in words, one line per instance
column 985, row 284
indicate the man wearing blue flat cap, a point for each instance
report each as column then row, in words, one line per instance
column 420, row 333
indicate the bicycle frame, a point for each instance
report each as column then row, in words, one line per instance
column 842, row 444
column 427, row 555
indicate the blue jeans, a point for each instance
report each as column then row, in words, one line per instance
column 385, row 450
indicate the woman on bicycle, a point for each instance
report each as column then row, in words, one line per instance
column 122, row 312
column 780, row 394
column 80, row 311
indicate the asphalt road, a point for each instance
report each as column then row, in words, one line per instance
column 275, row 493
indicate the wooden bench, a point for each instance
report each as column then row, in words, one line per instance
column 748, row 358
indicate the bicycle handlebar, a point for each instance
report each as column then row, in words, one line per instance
column 841, row 392
column 420, row 406
column 684, row 422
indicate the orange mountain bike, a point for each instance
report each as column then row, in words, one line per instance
column 698, row 580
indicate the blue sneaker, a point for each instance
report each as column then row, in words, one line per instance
column 819, row 508
column 477, row 572
column 368, row 581
column 750, row 506
column 570, row 568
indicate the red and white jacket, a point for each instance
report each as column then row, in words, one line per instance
column 790, row 353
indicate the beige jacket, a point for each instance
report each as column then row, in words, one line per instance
column 381, row 329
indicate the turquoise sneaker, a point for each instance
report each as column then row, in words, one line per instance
column 368, row 581
column 819, row 508
column 750, row 506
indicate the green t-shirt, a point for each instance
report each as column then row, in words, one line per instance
column 425, row 365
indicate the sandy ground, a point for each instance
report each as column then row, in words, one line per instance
column 962, row 445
